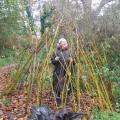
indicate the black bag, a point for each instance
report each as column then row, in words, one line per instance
column 43, row 113
column 40, row 113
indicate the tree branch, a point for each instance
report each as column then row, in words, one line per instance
column 87, row 5
column 102, row 4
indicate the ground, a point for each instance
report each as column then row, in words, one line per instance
column 17, row 105
column 4, row 76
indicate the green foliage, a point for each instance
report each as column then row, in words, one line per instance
column 111, row 50
column 7, row 56
column 5, row 101
column 42, row 54
column 45, row 18
column 6, row 52
column 6, row 61
column 30, row 19
column 105, row 116
column 113, row 75
column 117, row 97
column 11, row 23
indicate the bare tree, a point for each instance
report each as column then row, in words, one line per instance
column 79, row 16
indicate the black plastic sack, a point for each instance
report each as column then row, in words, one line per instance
column 65, row 115
column 43, row 113
column 40, row 113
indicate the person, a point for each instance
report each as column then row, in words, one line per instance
column 61, row 59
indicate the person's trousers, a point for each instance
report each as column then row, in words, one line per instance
column 59, row 83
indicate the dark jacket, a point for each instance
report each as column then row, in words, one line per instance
column 59, row 73
column 64, row 58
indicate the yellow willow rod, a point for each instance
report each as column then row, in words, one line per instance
column 78, row 80
column 70, row 81
column 78, row 91
column 46, row 60
column 67, row 76
column 78, row 74
column 95, row 79
column 81, row 67
column 86, row 82
column 34, row 71
column 51, row 47
column 78, row 86
column 74, row 103
column 107, row 96
column 66, row 92
column 104, row 87
column 52, row 89
column 41, row 82
column 28, row 89
column 52, row 42
column 54, row 96
column 101, row 93
column 19, row 73
column 88, row 88
column 92, row 75
column 105, row 59
column 38, row 95
column 98, row 54
column 40, row 78
column 55, row 103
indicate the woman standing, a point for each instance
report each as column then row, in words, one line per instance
column 61, row 59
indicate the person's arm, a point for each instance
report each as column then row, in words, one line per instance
column 54, row 59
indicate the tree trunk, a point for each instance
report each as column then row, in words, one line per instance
column 90, row 17
column 87, row 19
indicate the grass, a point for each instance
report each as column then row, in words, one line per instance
column 117, row 98
column 6, row 61
column 110, row 115
column 106, row 116
column 7, row 56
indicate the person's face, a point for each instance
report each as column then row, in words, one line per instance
column 63, row 45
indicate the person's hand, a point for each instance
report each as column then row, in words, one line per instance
column 57, row 58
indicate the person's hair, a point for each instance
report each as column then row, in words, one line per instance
column 62, row 40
